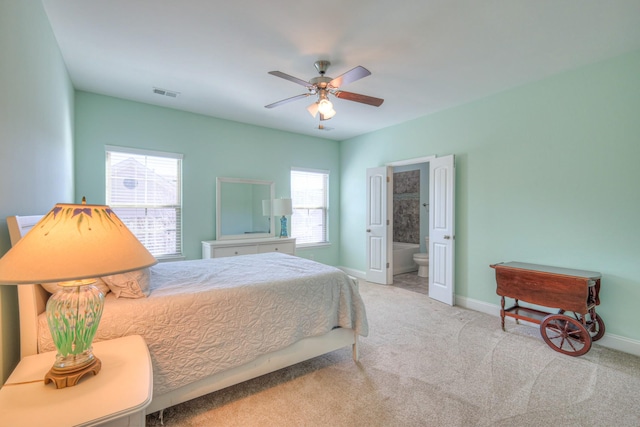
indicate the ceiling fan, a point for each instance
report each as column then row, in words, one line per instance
column 323, row 86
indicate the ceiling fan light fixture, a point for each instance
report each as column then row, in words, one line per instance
column 325, row 106
column 313, row 109
column 328, row 114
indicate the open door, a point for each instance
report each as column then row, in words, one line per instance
column 379, row 229
column 441, row 229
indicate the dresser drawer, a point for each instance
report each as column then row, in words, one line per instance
column 226, row 248
column 285, row 248
column 234, row 250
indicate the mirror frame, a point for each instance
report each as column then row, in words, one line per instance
column 219, row 235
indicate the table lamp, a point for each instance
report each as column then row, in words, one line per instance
column 282, row 207
column 72, row 245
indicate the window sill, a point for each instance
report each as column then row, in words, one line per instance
column 303, row 246
column 171, row 258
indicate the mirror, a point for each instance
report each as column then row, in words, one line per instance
column 240, row 211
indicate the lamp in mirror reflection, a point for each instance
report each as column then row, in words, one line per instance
column 266, row 211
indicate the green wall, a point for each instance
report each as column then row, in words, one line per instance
column 547, row 173
column 212, row 148
column 36, row 137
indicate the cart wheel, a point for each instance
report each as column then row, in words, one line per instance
column 595, row 324
column 595, row 327
column 565, row 335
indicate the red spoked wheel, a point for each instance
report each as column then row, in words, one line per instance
column 595, row 326
column 593, row 322
column 565, row 334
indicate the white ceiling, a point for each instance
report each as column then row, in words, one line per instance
column 424, row 55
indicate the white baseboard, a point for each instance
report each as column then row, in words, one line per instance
column 355, row 273
column 483, row 307
column 616, row 342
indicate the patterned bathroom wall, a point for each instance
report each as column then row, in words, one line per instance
column 406, row 207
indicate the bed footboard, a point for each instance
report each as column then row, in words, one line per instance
column 300, row 351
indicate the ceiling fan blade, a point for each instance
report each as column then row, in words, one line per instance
column 290, row 78
column 284, row 101
column 364, row 99
column 349, row 77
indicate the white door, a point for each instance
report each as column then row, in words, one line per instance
column 379, row 231
column 441, row 229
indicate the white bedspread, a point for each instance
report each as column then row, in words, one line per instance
column 206, row 316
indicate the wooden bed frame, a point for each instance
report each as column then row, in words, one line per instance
column 32, row 301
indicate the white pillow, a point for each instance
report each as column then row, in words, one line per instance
column 133, row 284
column 52, row 288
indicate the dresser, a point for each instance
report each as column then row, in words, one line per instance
column 224, row 248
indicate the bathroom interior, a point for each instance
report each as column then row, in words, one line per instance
column 411, row 226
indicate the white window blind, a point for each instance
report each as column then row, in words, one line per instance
column 144, row 188
column 309, row 199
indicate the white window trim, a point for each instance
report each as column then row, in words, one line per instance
column 143, row 152
column 303, row 246
column 156, row 153
column 327, row 241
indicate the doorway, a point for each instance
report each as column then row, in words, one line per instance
column 440, row 231
column 410, row 221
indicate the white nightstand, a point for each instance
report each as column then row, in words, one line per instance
column 116, row 396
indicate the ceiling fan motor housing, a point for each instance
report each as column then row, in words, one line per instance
column 321, row 81
column 322, row 66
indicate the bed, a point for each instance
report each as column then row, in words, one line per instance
column 216, row 322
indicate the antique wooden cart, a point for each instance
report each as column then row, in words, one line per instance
column 574, row 293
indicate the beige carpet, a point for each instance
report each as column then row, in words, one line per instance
column 427, row 364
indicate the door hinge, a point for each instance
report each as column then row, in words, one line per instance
column 387, row 222
column 387, row 265
column 388, row 179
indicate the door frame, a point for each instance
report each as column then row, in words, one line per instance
column 406, row 162
column 413, row 161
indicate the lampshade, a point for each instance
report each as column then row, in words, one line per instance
column 282, row 207
column 313, row 109
column 74, row 242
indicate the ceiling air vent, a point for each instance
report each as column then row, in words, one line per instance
column 165, row 92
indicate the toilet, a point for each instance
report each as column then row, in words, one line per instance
column 422, row 259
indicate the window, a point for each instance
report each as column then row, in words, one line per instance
column 309, row 199
column 144, row 188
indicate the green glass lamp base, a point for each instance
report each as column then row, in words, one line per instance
column 73, row 314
